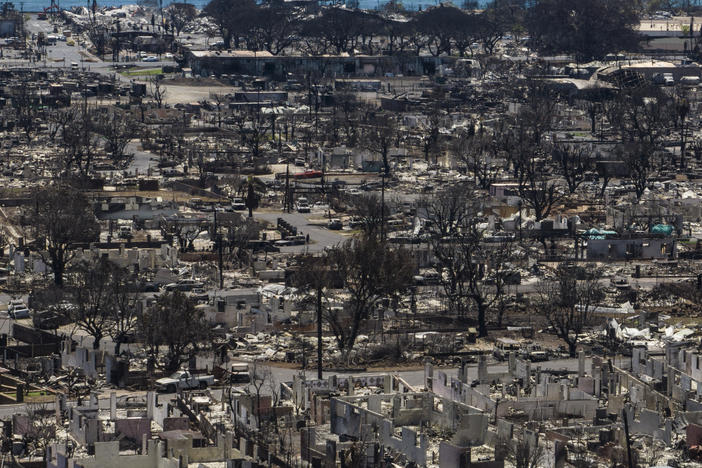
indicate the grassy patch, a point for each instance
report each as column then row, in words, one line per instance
column 142, row 72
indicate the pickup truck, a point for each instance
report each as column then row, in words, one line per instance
column 183, row 380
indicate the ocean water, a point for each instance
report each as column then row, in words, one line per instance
column 39, row 5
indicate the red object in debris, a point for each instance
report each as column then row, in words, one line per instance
column 308, row 175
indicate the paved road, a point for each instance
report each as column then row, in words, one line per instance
column 142, row 161
column 320, row 236
column 78, row 54
column 59, row 51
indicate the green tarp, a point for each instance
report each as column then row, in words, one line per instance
column 595, row 233
column 665, row 229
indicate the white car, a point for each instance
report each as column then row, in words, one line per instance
column 168, row 55
column 18, row 310
column 183, row 380
column 150, row 58
column 238, row 204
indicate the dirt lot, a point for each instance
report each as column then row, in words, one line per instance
column 184, row 94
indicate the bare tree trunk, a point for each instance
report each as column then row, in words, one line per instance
column 482, row 327
column 319, row 333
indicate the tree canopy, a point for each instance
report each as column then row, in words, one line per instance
column 588, row 29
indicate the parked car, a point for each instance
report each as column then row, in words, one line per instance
column 335, row 224
column 125, row 232
column 503, row 347
column 690, row 80
column 302, row 205
column 149, row 286
column 150, row 58
column 665, row 79
column 500, row 237
column 20, row 313
column 508, row 277
column 427, row 278
column 292, row 240
column 184, row 285
column 47, row 320
column 18, row 310
column 238, row 204
column 183, row 380
column 620, row 282
column 261, row 246
column 356, row 222
column 239, row 374
column 535, row 353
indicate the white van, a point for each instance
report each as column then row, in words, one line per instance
column 690, row 80
column 239, row 373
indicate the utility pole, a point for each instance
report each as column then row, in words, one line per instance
column 319, row 331
column 221, row 269
column 519, row 205
column 218, row 240
column 323, row 164
column 382, row 207
column 286, row 199
column 628, row 442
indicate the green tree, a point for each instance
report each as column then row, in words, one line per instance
column 233, row 18
column 181, row 14
column 588, row 29
column 273, row 29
